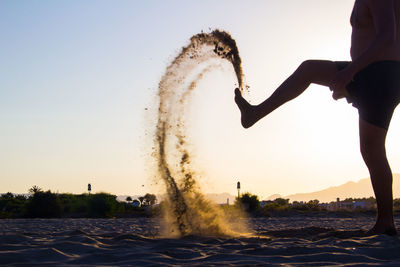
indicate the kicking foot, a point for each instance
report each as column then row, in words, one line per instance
column 248, row 114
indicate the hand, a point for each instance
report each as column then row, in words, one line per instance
column 339, row 82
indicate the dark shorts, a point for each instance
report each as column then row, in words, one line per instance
column 375, row 91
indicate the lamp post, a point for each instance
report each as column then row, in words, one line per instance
column 89, row 188
column 238, row 189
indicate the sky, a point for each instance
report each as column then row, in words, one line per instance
column 78, row 85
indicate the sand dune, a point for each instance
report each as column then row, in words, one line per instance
column 297, row 241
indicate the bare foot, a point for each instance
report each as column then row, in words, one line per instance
column 248, row 114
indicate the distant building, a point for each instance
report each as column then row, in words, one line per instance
column 135, row 203
column 363, row 204
column 350, row 205
column 347, row 205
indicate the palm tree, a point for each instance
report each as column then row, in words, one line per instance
column 34, row 189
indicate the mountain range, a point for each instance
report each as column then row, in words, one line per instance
column 359, row 189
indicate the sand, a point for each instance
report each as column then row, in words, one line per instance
column 185, row 207
column 289, row 241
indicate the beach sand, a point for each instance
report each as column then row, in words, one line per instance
column 290, row 241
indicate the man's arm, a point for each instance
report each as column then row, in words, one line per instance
column 384, row 19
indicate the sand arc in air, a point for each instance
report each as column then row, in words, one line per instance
column 186, row 211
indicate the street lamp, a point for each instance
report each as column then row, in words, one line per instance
column 238, row 189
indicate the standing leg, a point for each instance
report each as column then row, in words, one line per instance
column 310, row 71
column 372, row 146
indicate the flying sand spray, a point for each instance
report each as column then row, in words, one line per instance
column 186, row 211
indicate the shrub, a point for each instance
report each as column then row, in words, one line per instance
column 102, row 205
column 12, row 206
column 44, row 205
column 249, row 202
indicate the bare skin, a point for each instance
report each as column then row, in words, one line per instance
column 375, row 37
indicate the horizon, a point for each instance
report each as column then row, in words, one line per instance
column 215, row 196
column 78, row 97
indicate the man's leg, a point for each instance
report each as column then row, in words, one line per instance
column 372, row 146
column 310, row 71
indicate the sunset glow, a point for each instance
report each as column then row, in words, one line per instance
column 78, row 96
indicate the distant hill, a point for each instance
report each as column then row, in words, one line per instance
column 360, row 189
column 273, row 197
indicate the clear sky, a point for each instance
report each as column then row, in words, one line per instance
column 76, row 78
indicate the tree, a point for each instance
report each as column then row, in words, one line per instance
column 313, row 204
column 44, row 205
column 150, row 199
column 102, row 205
column 34, row 189
column 250, row 202
column 281, row 201
column 12, row 206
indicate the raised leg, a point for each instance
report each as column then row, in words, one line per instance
column 372, row 146
column 310, row 71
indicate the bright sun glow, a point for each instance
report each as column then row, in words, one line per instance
column 77, row 97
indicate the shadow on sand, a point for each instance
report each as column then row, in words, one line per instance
column 315, row 233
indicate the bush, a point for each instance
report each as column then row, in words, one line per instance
column 44, row 205
column 249, row 202
column 102, row 205
column 12, row 206
column 281, row 201
column 74, row 205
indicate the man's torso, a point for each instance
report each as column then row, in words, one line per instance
column 363, row 30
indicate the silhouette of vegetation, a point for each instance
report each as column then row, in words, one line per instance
column 312, row 205
column 149, row 200
column 35, row 189
column 12, row 206
column 44, row 205
column 282, row 206
column 278, row 204
column 40, row 204
column 248, row 201
column 102, row 205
